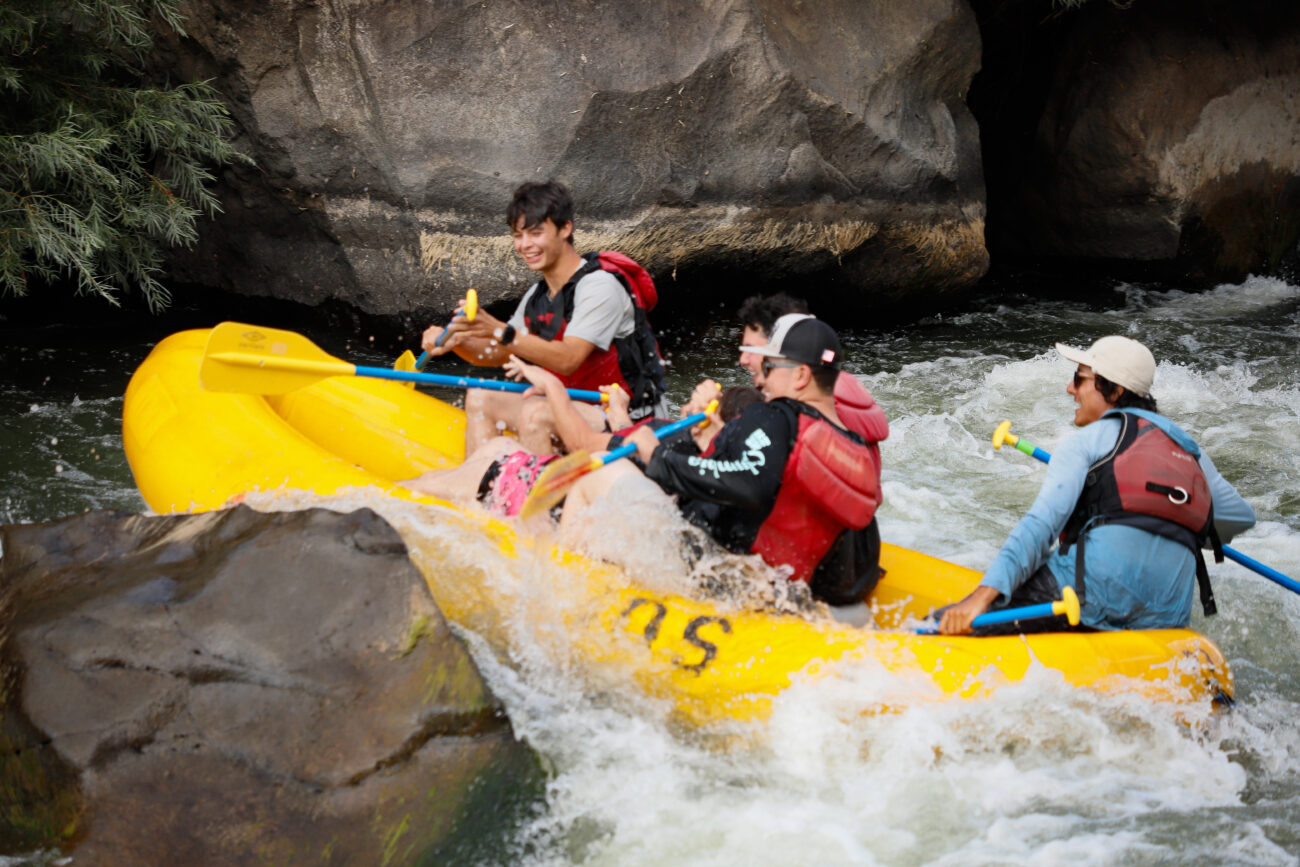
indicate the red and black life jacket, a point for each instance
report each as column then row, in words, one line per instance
column 634, row 361
column 861, row 414
column 828, row 486
column 1150, row 482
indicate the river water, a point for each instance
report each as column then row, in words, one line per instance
column 1038, row 773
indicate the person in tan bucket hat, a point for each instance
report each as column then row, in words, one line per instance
column 1130, row 498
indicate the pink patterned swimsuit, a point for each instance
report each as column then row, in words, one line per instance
column 507, row 482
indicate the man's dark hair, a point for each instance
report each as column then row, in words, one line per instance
column 734, row 400
column 761, row 311
column 1128, row 400
column 825, row 377
column 537, row 202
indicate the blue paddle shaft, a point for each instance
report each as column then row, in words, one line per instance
column 424, row 356
column 1267, row 571
column 1228, row 551
column 1033, row 451
column 630, row 448
column 466, row 382
column 991, row 618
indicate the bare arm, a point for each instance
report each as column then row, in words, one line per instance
column 479, row 343
column 956, row 619
column 569, row 424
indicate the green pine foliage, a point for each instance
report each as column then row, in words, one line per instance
column 100, row 170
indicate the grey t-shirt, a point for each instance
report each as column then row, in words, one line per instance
column 602, row 310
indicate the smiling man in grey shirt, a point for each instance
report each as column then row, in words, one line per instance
column 579, row 321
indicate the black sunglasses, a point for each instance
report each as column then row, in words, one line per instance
column 769, row 364
column 1080, row 379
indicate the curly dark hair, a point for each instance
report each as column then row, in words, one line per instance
column 1129, row 399
column 734, row 400
column 760, row 312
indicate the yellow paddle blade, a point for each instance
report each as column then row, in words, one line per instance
column 555, row 481
column 257, row 360
column 405, row 361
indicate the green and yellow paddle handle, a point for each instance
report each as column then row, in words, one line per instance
column 408, row 361
column 1003, row 434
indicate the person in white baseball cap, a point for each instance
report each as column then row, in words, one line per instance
column 1131, row 499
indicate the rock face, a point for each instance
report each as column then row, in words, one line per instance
column 242, row 688
column 1169, row 132
column 773, row 137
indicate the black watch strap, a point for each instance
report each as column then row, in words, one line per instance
column 508, row 335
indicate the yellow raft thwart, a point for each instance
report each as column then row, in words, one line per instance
column 192, row 450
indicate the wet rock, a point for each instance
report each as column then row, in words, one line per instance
column 239, row 687
column 1169, row 134
column 773, row 137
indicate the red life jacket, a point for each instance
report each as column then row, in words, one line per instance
column 1150, row 482
column 861, row 414
column 632, row 362
column 828, row 486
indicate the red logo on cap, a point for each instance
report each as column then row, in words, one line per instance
column 828, row 355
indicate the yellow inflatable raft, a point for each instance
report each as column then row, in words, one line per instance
column 192, row 450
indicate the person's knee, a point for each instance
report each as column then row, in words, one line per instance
column 490, row 412
column 535, row 419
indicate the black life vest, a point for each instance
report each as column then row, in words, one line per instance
column 633, row 362
column 1150, row 482
column 828, row 486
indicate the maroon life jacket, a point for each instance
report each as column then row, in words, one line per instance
column 1150, row 482
column 829, row 485
column 632, row 362
column 861, row 414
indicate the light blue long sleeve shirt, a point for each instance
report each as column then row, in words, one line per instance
column 1135, row 579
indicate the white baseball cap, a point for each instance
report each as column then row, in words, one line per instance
column 803, row 338
column 1122, row 360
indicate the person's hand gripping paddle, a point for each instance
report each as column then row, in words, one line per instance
column 555, row 481
column 408, row 361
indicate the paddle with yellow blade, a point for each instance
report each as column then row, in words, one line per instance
column 1068, row 605
column 1003, row 434
column 408, row 361
column 555, row 481
column 250, row 358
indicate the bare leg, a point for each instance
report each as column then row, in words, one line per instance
column 461, row 483
column 595, row 485
column 488, row 414
column 539, row 433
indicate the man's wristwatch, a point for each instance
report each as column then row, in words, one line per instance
column 508, row 335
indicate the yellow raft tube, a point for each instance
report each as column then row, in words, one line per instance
column 194, row 450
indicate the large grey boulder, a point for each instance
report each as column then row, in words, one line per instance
column 1171, row 133
column 767, row 137
column 240, row 688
